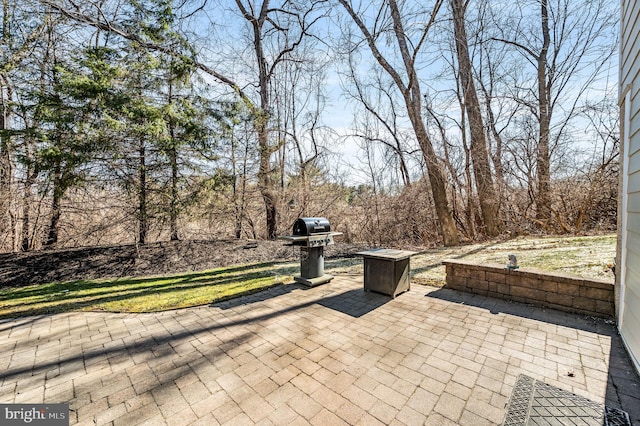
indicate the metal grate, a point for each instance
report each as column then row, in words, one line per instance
column 533, row 402
column 616, row 417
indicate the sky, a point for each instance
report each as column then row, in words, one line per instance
column 436, row 75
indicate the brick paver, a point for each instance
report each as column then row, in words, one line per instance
column 331, row 354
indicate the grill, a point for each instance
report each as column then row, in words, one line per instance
column 312, row 235
column 311, row 232
column 306, row 226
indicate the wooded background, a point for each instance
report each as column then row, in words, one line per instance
column 143, row 120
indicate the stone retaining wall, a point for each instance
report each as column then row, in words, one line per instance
column 559, row 291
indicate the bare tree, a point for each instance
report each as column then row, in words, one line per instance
column 590, row 202
column 240, row 147
column 499, row 110
column 489, row 205
column 459, row 169
column 381, row 104
column 568, row 48
column 7, row 161
column 276, row 32
column 406, row 79
column 299, row 101
column 18, row 39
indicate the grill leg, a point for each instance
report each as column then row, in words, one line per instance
column 312, row 267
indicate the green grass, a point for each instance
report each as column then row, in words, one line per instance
column 143, row 294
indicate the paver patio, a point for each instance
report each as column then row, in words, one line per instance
column 326, row 355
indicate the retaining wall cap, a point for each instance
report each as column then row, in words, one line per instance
column 531, row 272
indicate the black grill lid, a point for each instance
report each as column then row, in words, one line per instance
column 311, row 225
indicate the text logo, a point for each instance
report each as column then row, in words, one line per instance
column 34, row 414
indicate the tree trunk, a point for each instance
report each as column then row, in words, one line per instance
column 173, row 208
column 261, row 119
column 496, row 157
column 25, row 244
column 143, row 220
column 237, row 231
column 479, row 155
column 470, row 210
column 6, row 162
column 543, row 200
column 52, row 236
column 448, row 229
column 265, row 183
column 239, row 184
column 58, row 192
column 173, row 160
column 26, row 217
column 265, row 173
column 412, row 96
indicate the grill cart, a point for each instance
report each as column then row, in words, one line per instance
column 312, row 234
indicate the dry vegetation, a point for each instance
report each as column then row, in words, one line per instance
column 588, row 256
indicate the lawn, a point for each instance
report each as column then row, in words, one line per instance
column 588, row 257
column 143, row 294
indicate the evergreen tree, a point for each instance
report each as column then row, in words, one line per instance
column 67, row 123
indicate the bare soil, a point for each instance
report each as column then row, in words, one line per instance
column 19, row 269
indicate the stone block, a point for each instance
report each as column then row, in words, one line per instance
column 596, row 283
column 496, row 295
column 456, row 282
column 476, row 284
column 548, row 285
column 559, row 299
column 450, row 270
column 569, row 289
column 519, row 299
column 604, row 307
column 529, row 294
column 496, row 277
column 504, row 289
column 493, row 287
column 524, row 281
column 584, row 304
column 477, row 274
column 557, row 307
column 597, row 293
